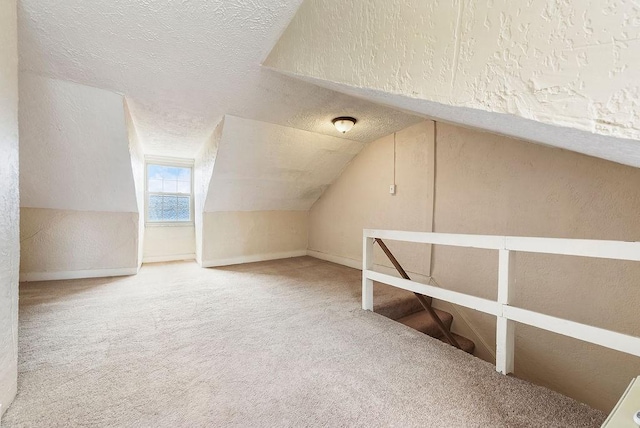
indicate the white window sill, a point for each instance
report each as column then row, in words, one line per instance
column 170, row 224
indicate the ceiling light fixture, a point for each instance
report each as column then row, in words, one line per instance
column 344, row 123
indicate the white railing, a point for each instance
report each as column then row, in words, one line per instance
column 506, row 314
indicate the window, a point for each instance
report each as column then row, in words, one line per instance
column 169, row 193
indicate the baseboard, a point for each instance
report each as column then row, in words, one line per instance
column 344, row 261
column 76, row 274
column 252, row 258
column 172, row 258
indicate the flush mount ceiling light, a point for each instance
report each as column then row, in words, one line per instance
column 344, row 123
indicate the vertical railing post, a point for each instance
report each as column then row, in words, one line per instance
column 505, row 334
column 367, row 264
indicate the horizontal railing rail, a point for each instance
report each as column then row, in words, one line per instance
column 506, row 314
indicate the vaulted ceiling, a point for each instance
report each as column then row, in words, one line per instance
column 183, row 65
column 560, row 73
column 551, row 72
column 263, row 167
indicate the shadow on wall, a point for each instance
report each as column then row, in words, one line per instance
column 488, row 184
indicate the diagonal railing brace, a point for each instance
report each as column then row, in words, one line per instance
column 424, row 302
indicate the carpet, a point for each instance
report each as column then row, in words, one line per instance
column 281, row 343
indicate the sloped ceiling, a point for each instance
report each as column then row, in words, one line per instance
column 74, row 149
column 263, row 167
column 183, row 65
column 556, row 72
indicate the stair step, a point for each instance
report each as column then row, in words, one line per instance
column 404, row 307
column 396, row 303
column 466, row 345
column 423, row 322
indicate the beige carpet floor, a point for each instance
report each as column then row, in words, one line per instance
column 280, row 343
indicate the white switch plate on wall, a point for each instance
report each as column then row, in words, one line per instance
column 392, row 189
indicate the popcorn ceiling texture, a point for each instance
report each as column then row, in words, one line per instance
column 610, row 148
column 263, row 167
column 571, row 64
column 9, row 203
column 184, row 65
column 74, row 149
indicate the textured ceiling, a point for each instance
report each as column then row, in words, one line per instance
column 620, row 150
column 557, row 72
column 183, row 65
column 74, row 151
column 261, row 166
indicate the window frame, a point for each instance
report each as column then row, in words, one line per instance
column 176, row 163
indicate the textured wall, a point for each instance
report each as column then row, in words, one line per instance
column 166, row 243
column 71, row 241
column 9, row 203
column 203, row 169
column 486, row 184
column 74, row 150
column 262, row 167
column 560, row 62
column 233, row 237
column 360, row 199
column 136, row 152
column 566, row 70
column 493, row 185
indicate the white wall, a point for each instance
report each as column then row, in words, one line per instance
column 203, row 169
column 136, row 152
column 74, row 147
column 80, row 203
column 168, row 243
column 247, row 236
column 360, row 198
column 9, row 203
column 495, row 185
column 265, row 167
column 566, row 63
column 58, row 244
column 263, row 180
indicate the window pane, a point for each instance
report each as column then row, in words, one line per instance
column 162, row 180
column 184, row 174
column 184, row 187
column 184, row 206
column 155, row 185
column 154, row 171
column 155, row 208
column 169, row 186
column 169, row 208
column 168, row 172
column 169, row 175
